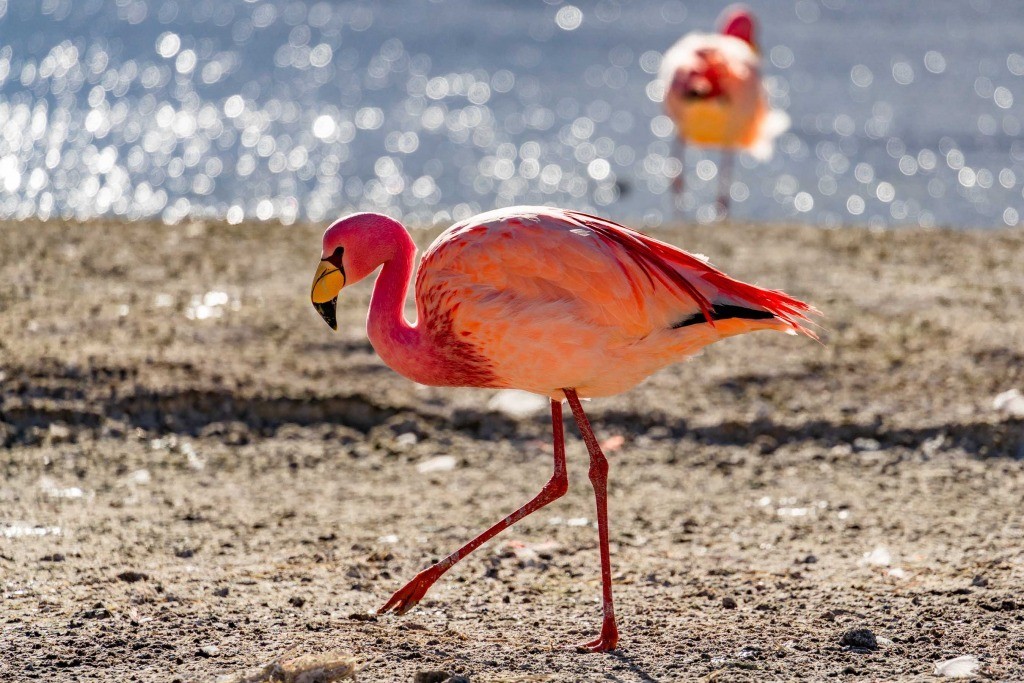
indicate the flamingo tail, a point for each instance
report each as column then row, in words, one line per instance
column 729, row 298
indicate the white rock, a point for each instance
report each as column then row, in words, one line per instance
column 20, row 530
column 960, row 667
column 441, row 463
column 879, row 557
column 517, row 404
column 1010, row 402
column 50, row 488
column 406, row 439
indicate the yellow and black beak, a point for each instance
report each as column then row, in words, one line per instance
column 327, row 282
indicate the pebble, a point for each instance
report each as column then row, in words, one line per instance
column 209, row 651
column 97, row 612
column 132, row 576
column 326, row 667
column 959, row 667
column 1010, row 402
column 438, row 677
column 441, row 463
column 859, row 639
column 879, row 557
column 866, row 445
column 517, row 404
column 728, row 603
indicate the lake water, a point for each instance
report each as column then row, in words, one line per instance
column 902, row 113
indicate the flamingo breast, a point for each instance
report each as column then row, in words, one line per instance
column 732, row 112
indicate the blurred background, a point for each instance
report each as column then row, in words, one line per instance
column 293, row 110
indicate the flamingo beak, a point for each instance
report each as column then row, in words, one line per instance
column 327, row 283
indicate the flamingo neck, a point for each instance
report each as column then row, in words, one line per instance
column 400, row 344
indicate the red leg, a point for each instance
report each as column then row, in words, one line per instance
column 407, row 597
column 609, row 637
column 725, row 184
column 679, row 182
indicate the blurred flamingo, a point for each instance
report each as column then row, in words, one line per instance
column 554, row 302
column 714, row 95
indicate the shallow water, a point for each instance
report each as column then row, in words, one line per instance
column 291, row 110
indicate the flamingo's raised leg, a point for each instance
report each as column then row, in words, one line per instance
column 679, row 182
column 609, row 637
column 725, row 183
column 410, row 594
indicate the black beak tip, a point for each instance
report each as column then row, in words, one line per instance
column 328, row 310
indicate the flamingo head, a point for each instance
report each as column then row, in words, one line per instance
column 353, row 247
column 738, row 21
column 705, row 79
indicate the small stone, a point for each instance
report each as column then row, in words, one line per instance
column 979, row 581
column 98, row 612
column 296, row 601
column 221, row 592
column 859, row 639
column 362, row 616
column 209, row 651
column 1010, row 402
column 56, row 557
column 865, row 445
column 879, row 557
column 184, row 553
column 431, row 677
column 517, row 404
column 441, row 463
column 131, row 576
column 960, row 667
column 728, row 603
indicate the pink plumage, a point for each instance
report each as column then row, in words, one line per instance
column 550, row 301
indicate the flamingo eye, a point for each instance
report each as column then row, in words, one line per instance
column 335, row 259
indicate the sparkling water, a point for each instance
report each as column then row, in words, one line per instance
column 902, row 113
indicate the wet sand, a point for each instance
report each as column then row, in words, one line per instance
column 199, row 477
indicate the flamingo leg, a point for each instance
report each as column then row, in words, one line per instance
column 725, row 183
column 407, row 597
column 679, row 182
column 609, row 637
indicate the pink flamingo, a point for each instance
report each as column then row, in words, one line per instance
column 714, row 95
column 555, row 302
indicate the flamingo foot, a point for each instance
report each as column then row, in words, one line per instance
column 606, row 642
column 411, row 593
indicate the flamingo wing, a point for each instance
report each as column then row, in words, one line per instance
column 554, row 298
column 517, row 262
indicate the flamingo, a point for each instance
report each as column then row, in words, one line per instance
column 714, row 95
column 550, row 301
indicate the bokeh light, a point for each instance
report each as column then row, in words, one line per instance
column 303, row 110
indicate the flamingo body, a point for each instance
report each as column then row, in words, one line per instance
column 540, row 299
column 714, row 92
column 555, row 302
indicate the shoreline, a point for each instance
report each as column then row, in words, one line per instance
column 171, row 405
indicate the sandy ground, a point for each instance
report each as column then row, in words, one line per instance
column 198, row 477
